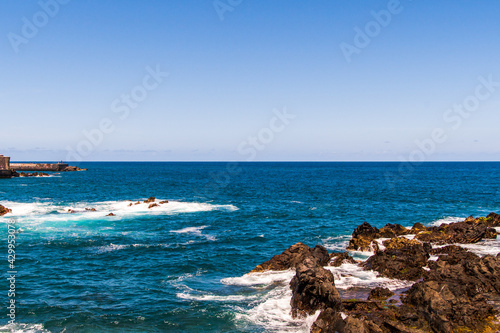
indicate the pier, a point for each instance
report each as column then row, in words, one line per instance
column 9, row 170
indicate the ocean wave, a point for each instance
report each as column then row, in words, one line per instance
column 352, row 276
column 447, row 220
column 215, row 298
column 195, row 231
column 272, row 311
column 23, row 328
column 40, row 211
column 260, row 279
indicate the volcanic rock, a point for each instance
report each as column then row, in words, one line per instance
column 150, row 200
column 402, row 259
column 4, row 210
column 153, row 205
column 380, row 293
column 111, row 214
column 293, row 256
column 466, row 232
column 313, row 288
column 362, row 238
column 337, row 259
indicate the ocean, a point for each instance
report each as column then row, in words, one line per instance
column 181, row 266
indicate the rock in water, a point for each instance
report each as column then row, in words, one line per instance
column 380, row 293
column 313, row 288
column 150, row 200
column 337, row 259
column 293, row 256
column 4, row 210
column 111, row 214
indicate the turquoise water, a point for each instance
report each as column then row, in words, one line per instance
column 181, row 267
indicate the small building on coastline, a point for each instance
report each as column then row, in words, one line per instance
column 5, row 171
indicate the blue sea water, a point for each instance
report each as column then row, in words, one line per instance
column 181, row 267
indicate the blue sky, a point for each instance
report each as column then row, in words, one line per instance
column 234, row 65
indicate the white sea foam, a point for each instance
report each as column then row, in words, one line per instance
column 273, row 313
column 195, row 231
column 337, row 243
column 484, row 247
column 260, row 279
column 23, row 328
column 215, row 298
column 351, row 275
column 447, row 220
column 38, row 212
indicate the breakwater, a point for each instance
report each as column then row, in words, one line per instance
column 55, row 167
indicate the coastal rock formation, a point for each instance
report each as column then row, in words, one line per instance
column 417, row 228
column 466, row 232
column 164, row 202
column 362, row 238
column 4, row 210
column 293, row 256
column 337, row 259
column 153, row 205
column 458, row 292
column 72, row 169
column 313, row 288
column 402, row 259
column 90, row 209
column 380, row 293
column 150, row 200
column 454, row 294
column 111, row 214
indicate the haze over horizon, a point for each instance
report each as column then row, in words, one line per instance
column 236, row 80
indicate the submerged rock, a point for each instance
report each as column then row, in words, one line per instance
column 4, row 210
column 293, row 256
column 153, row 205
column 313, row 288
column 111, row 214
column 380, row 293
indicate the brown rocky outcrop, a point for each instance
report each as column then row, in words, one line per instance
column 150, row 200
column 337, row 259
column 313, row 288
column 392, row 230
column 492, row 220
column 72, row 169
column 4, row 210
column 362, row 238
column 454, row 293
column 111, row 214
column 417, row 228
column 153, row 205
column 91, row 209
column 293, row 256
column 402, row 259
column 466, row 232
column 163, row 202
column 380, row 293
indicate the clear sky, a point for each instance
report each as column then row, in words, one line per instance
column 250, row 80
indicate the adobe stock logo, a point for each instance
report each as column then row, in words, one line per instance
column 31, row 27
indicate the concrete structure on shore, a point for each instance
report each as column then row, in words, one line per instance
column 9, row 170
column 5, row 171
column 56, row 167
